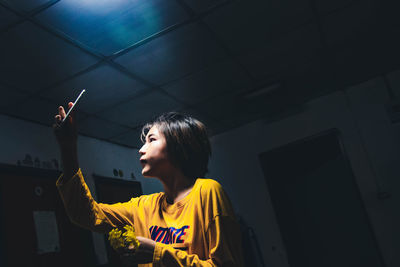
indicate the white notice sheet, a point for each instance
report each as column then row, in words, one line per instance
column 46, row 231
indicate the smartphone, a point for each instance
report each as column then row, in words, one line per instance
column 73, row 105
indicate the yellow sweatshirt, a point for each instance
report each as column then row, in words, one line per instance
column 199, row 230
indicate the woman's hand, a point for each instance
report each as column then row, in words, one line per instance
column 67, row 136
column 143, row 254
column 66, row 133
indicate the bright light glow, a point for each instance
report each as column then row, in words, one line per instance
column 99, row 7
column 108, row 25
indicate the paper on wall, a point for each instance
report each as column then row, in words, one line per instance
column 46, row 231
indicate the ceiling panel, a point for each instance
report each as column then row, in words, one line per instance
column 240, row 109
column 393, row 79
column 10, row 96
column 243, row 25
column 282, row 56
column 33, row 59
column 360, row 43
column 92, row 126
column 213, row 126
column 34, row 109
column 227, row 109
column 350, row 23
column 6, row 17
column 389, row 14
column 122, row 22
column 202, row 5
column 104, row 86
column 130, row 138
column 173, row 55
column 210, row 82
column 141, row 109
column 330, row 6
column 38, row 109
column 26, row 5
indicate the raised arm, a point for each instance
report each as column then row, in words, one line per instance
column 67, row 137
column 80, row 206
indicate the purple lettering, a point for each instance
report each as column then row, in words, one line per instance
column 168, row 235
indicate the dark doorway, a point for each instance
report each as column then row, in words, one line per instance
column 318, row 205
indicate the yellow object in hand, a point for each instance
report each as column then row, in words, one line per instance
column 119, row 239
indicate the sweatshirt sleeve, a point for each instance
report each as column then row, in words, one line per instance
column 83, row 210
column 224, row 248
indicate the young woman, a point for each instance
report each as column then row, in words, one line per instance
column 191, row 223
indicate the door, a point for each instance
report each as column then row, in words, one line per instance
column 318, row 205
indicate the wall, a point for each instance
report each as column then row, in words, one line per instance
column 370, row 140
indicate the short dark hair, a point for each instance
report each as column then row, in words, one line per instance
column 187, row 140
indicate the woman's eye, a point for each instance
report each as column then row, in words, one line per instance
column 152, row 139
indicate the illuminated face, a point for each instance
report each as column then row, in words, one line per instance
column 154, row 156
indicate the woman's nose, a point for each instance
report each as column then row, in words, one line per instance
column 142, row 150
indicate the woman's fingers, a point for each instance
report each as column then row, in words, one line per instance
column 70, row 127
column 61, row 112
column 57, row 118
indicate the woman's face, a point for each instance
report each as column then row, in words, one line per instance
column 154, row 156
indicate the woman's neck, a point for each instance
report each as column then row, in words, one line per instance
column 176, row 187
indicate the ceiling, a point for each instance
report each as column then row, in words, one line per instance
column 224, row 62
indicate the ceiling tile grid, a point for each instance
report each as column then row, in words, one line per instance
column 331, row 6
column 6, row 18
column 283, row 56
column 34, row 109
column 227, row 109
column 360, row 43
column 141, row 109
column 389, row 15
column 244, row 26
column 110, row 26
column 209, row 82
column 350, row 23
column 105, row 87
column 33, row 59
column 130, row 138
column 173, row 55
column 93, row 126
column 213, row 125
column 234, row 110
column 200, row 6
column 137, row 59
column 10, row 96
column 25, row 6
